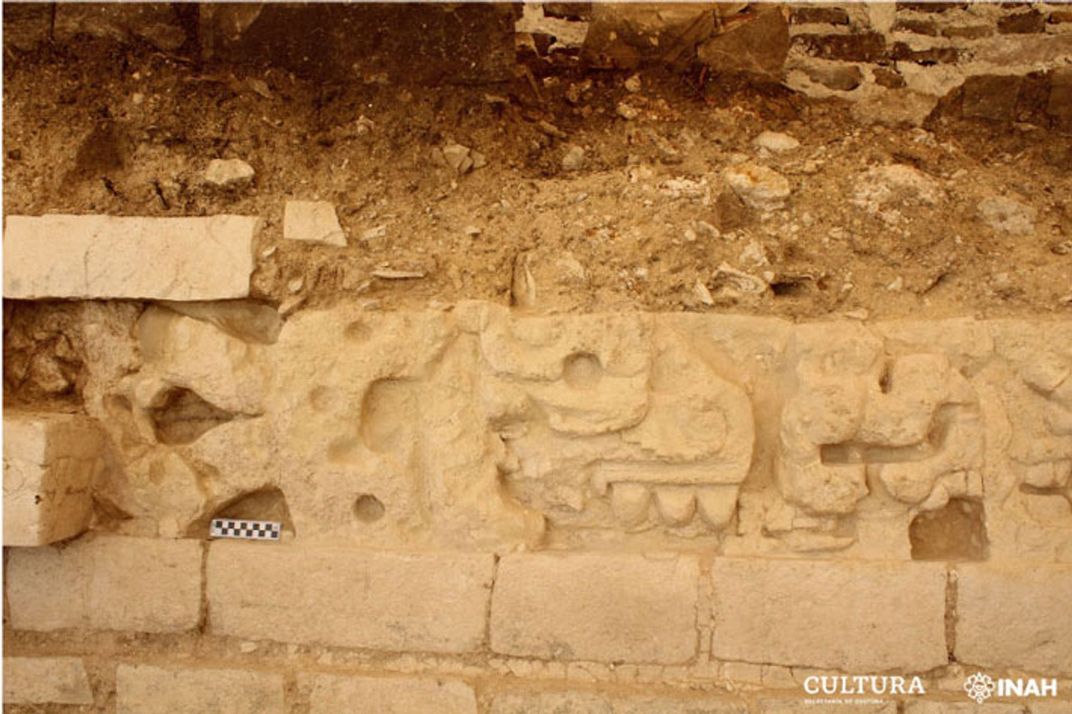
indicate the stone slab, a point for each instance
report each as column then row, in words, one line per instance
column 100, row 257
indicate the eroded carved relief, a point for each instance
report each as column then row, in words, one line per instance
column 618, row 410
column 480, row 426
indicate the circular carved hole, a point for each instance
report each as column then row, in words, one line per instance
column 368, row 508
column 582, row 370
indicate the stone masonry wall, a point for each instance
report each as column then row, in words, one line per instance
column 903, row 62
column 487, row 510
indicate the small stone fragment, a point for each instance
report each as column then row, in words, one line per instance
column 627, row 111
column 843, row 78
column 388, row 274
column 1008, row 215
column 759, row 187
column 229, row 173
column 573, row 160
column 733, row 283
column 894, row 183
column 374, row 233
column 313, row 222
column 702, row 293
column 633, row 84
column 775, row 141
column 458, row 158
column 523, row 284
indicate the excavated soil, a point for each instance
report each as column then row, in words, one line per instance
column 96, row 129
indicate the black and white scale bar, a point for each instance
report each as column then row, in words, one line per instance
column 249, row 530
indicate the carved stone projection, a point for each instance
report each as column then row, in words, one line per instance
column 614, row 407
column 479, row 426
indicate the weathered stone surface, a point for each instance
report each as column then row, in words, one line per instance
column 895, row 108
column 759, row 187
column 596, row 606
column 830, row 15
column 903, row 52
column 775, row 141
column 754, row 46
column 579, row 702
column 45, row 680
column 856, row 47
column 362, row 599
column 388, row 695
column 1015, row 617
column 65, row 256
column 852, row 616
column 842, row 77
column 1007, row 215
column 991, row 96
column 106, row 583
column 625, row 35
column 144, row 689
column 51, row 462
column 1059, row 106
column 312, row 222
column 595, row 429
column 228, row 173
column 1022, row 22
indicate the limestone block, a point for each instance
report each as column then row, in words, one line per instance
column 46, row 680
column 636, row 608
column 312, row 222
column 51, row 463
column 578, row 702
column 388, row 695
column 94, row 257
column 144, row 689
column 853, row 616
column 1014, row 616
column 106, row 583
column 398, row 602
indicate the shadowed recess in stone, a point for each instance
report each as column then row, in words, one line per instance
column 582, row 370
column 862, row 452
column 957, row 531
column 266, row 504
column 181, row 416
column 384, row 413
column 368, row 508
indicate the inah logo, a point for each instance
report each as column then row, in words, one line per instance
column 979, row 687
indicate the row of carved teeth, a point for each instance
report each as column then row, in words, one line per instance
column 675, row 505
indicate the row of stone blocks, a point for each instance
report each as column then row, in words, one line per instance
column 172, row 689
column 656, row 608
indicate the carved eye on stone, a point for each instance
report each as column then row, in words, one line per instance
column 582, row 370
